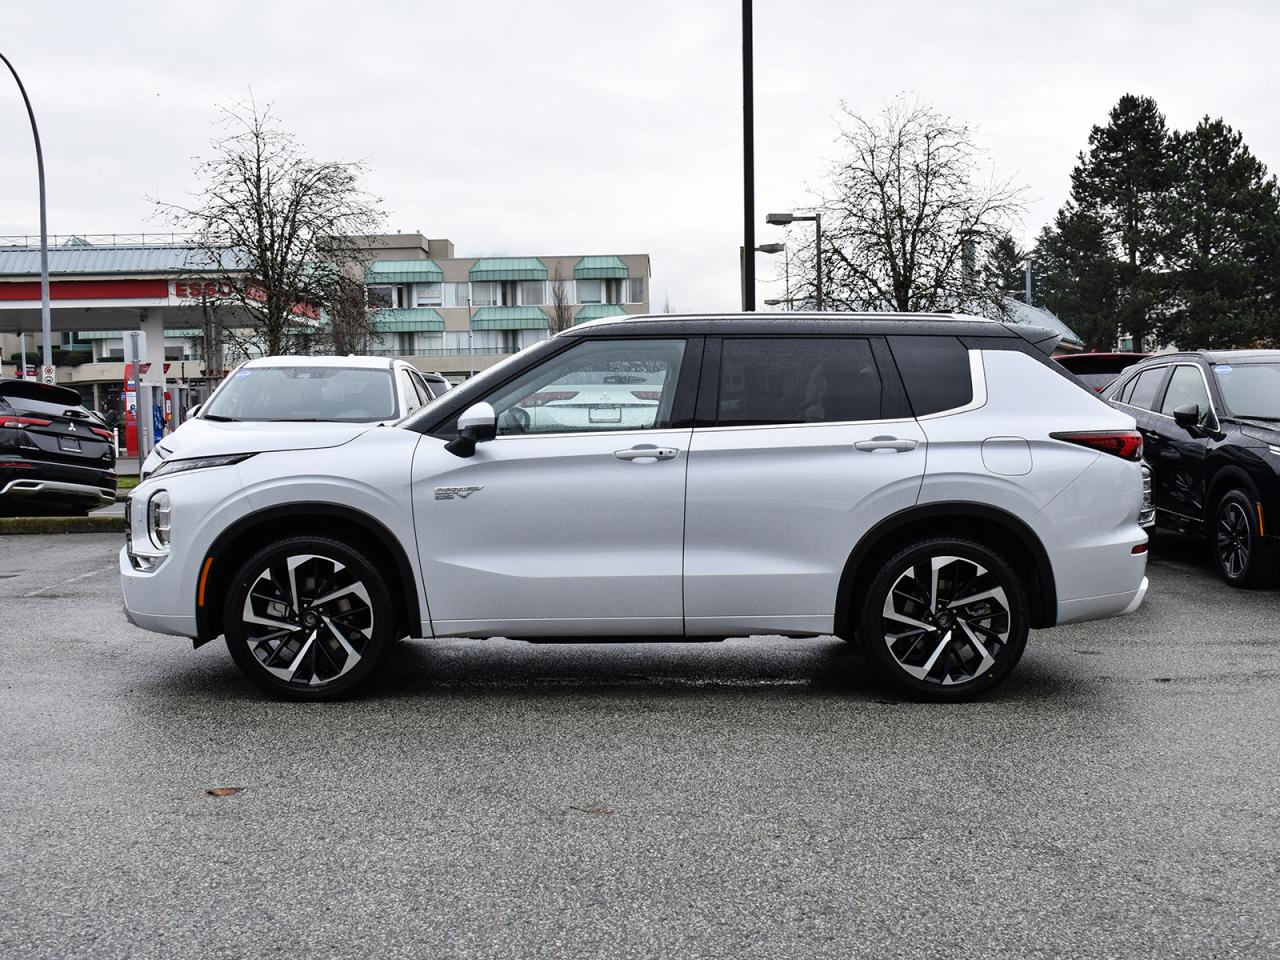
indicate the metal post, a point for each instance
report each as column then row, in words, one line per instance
column 748, row 167
column 471, row 342
column 22, row 349
column 46, row 325
column 786, row 278
column 1028, row 269
column 817, row 223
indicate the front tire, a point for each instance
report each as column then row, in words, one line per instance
column 944, row 619
column 1237, row 542
column 309, row 618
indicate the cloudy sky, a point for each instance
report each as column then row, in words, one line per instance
column 573, row 127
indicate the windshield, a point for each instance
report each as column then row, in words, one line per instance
column 343, row 394
column 1251, row 390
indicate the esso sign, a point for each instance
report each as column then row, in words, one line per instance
column 195, row 289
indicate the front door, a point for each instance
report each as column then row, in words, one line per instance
column 802, row 452
column 1178, row 456
column 571, row 521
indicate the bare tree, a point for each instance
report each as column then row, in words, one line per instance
column 278, row 230
column 350, row 319
column 903, row 214
column 561, row 317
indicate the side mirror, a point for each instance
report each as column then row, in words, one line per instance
column 475, row 424
column 192, row 412
column 1187, row 417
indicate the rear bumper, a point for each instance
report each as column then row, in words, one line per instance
column 36, row 487
column 1099, row 608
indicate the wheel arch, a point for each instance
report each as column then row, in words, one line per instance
column 976, row 521
column 1226, row 478
column 247, row 535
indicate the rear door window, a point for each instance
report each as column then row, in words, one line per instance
column 1145, row 388
column 935, row 372
column 770, row 380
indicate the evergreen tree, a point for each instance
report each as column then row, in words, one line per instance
column 1116, row 190
column 1222, row 236
column 1003, row 267
column 1076, row 275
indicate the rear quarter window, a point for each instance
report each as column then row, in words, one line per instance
column 935, row 372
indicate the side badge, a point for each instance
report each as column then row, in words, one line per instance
column 456, row 493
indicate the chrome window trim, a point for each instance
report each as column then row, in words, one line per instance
column 1135, row 376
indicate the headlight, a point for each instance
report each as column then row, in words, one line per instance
column 158, row 509
column 197, row 463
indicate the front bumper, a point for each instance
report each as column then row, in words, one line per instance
column 155, row 600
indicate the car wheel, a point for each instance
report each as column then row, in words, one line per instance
column 944, row 619
column 1237, row 542
column 309, row 619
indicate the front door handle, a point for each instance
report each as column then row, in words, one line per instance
column 646, row 453
column 894, row 444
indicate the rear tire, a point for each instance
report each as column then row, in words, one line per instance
column 1236, row 542
column 308, row 618
column 944, row 619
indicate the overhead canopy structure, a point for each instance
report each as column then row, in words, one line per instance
column 509, row 318
column 509, row 268
column 404, row 271
column 600, row 268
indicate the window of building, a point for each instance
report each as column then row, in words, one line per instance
column 590, row 291
column 799, row 380
column 484, row 293
column 635, row 290
column 456, row 294
column 533, row 293
column 382, row 296
column 428, row 295
column 510, row 293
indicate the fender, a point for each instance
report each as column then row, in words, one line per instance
column 1042, row 594
column 208, row 617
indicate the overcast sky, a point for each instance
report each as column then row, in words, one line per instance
column 595, row 127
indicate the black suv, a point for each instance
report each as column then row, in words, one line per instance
column 53, row 452
column 1211, row 423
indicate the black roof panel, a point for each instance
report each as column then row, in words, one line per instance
column 791, row 324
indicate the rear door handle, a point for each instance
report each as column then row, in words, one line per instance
column 893, row 444
column 646, row 453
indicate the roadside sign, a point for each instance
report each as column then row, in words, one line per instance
column 46, row 373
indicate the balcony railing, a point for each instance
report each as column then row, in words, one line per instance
column 441, row 352
column 98, row 239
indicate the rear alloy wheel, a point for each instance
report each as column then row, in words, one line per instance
column 945, row 619
column 1236, row 542
column 309, row 619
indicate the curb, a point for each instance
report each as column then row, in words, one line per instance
column 89, row 524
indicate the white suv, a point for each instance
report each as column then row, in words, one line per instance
column 930, row 487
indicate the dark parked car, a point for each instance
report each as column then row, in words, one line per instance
column 1097, row 371
column 54, row 454
column 1211, row 427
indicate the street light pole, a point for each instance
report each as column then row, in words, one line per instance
column 786, row 219
column 817, row 223
column 46, row 326
column 748, row 167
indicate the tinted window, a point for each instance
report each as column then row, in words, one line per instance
column 1145, row 387
column 1097, row 382
column 799, row 380
column 596, row 385
column 935, row 371
column 1186, row 386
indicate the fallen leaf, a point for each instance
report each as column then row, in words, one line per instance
column 223, row 791
column 594, row 810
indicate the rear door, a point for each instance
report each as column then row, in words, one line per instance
column 801, row 445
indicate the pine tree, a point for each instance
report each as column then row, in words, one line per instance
column 1114, row 210
column 1003, row 267
column 1222, row 228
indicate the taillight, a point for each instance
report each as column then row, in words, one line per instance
column 547, row 396
column 15, row 422
column 647, row 394
column 105, row 434
column 1125, row 444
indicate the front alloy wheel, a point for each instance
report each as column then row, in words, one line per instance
column 1237, row 542
column 308, row 619
column 945, row 619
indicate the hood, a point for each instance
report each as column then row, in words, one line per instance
column 1261, row 431
column 206, row 438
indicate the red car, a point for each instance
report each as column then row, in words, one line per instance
column 1097, row 371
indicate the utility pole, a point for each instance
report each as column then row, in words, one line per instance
column 748, row 168
column 46, row 325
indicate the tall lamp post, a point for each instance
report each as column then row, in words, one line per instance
column 46, row 326
column 784, row 219
column 748, row 168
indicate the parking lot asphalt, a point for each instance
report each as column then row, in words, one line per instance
column 753, row 798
